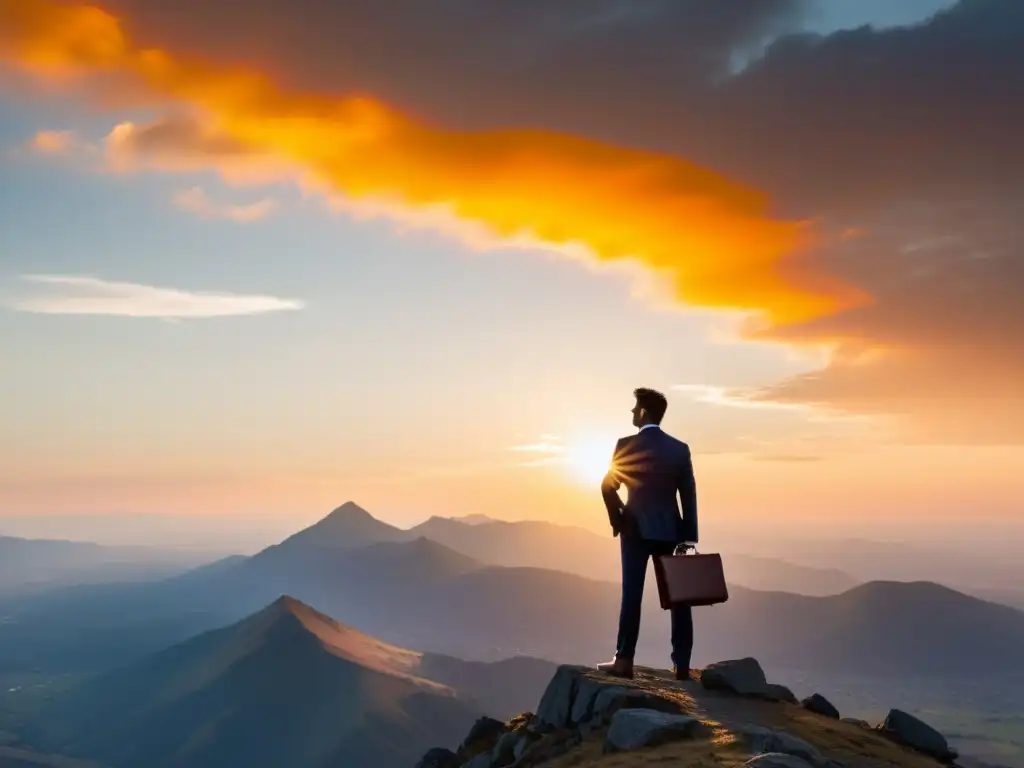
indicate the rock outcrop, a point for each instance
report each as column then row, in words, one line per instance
column 740, row 676
column 638, row 728
column 730, row 714
column 744, row 677
column 776, row 760
column 819, row 704
column 481, row 737
column 767, row 740
column 439, row 757
column 907, row 730
column 777, row 692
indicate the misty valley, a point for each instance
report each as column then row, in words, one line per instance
column 368, row 644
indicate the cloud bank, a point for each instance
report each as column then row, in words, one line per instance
column 712, row 238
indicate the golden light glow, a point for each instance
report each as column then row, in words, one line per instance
column 711, row 239
column 590, row 458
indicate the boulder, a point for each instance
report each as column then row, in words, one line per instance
column 481, row 738
column 580, row 697
column 439, row 758
column 586, row 692
column 548, row 747
column 741, row 676
column 791, row 745
column 820, row 705
column 615, row 699
column 767, row 740
column 777, row 692
column 556, row 705
column 522, row 746
column 504, row 752
column 483, row 760
column 907, row 730
column 638, row 728
column 776, row 760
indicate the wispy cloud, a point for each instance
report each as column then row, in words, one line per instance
column 754, row 400
column 549, row 450
column 58, row 145
column 85, row 295
column 734, row 398
column 786, row 457
column 196, row 201
column 52, row 142
column 543, row 446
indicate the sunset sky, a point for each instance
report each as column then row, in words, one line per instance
column 261, row 258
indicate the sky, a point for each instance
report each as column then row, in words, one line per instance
column 259, row 259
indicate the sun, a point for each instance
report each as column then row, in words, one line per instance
column 590, row 458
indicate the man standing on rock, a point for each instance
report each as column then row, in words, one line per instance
column 654, row 467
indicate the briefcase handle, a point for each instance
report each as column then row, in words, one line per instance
column 681, row 549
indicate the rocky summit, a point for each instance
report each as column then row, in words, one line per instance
column 726, row 715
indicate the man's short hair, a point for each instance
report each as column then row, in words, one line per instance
column 651, row 401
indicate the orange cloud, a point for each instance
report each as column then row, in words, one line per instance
column 713, row 240
column 179, row 144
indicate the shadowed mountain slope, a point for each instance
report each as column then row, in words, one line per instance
column 286, row 686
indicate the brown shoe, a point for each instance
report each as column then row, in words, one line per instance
column 681, row 674
column 617, row 668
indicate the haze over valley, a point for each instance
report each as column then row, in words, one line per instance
column 494, row 606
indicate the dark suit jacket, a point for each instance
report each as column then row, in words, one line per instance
column 654, row 467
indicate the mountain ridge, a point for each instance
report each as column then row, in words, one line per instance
column 421, row 594
column 287, row 685
column 542, row 544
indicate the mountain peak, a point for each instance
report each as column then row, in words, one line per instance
column 474, row 519
column 336, row 638
column 349, row 510
column 347, row 527
column 285, row 611
column 352, row 520
column 286, row 604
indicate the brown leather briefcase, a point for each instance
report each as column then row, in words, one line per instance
column 692, row 579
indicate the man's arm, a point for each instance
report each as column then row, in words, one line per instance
column 688, row 497
column 610, row 491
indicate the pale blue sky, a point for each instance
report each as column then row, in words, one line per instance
column 412, row 353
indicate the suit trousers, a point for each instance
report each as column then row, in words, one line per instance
column 636, row 553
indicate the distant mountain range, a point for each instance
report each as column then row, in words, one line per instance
column 414, row 592
column 28, row 565
column 576, row 550
column 1011, row 597
column 285, row 686
column 973, row 569
column 536, row 544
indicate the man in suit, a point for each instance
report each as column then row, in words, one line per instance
column 654, row 467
